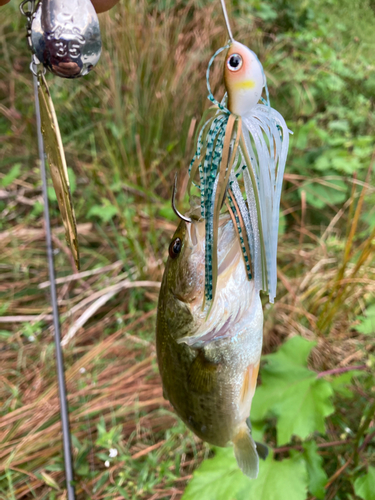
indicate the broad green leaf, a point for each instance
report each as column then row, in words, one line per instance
column 219, row 478
column 279, row 480
column 292, row 392
column 317, row 476
column 364, row 486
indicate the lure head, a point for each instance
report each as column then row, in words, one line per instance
column 244, row 79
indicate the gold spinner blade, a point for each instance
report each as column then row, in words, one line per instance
column 56, row 159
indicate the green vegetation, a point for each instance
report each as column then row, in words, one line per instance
column 127, row 128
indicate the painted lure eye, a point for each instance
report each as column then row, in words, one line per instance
column 234, row 62
column 175, row 248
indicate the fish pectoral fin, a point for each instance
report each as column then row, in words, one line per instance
column 245, row 451
column 202, row 374
column 213, row 330
column 262, row 450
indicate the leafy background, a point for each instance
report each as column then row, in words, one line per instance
column 126, row 129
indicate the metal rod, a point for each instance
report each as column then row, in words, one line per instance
column 227, row 20
column 55, row 310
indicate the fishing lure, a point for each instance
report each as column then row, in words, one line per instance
column 64, row 38
column 240, row 159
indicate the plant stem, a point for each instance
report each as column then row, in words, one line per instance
column 337, row 473
column 361, row 430
column 336, row 371
column 320, row 445
column 366, row 441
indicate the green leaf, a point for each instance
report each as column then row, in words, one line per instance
column 279, row 480
column 317, row 476
column 339, row 383
column 105, row 212
column 367, row 325
column 339, row 125
column 282, row 224
column 11, row 175
column 257, row 431
column 167, row 213
column 72, row 180
column 219, row 478
column 337, row 159
column 51, row 193
column 318, row 195
column 4, row 334
column 49, row 481
column 292, row 392
column 364, row 486
column 55, row 467
column 4, row 307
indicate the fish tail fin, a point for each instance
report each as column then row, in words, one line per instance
column 245, row 451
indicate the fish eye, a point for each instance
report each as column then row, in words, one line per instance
column 175, row 248
column 234, row 62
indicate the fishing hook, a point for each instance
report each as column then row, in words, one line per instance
column 182, row 217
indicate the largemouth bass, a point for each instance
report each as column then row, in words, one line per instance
column 209, row 357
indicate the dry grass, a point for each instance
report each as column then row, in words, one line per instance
column 111, row 376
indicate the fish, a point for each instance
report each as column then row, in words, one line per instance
column 209, row 354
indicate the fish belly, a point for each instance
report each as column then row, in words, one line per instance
column 211, row 388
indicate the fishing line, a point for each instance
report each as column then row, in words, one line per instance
column 227, row 20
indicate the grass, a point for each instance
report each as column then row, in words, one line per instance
column 126, row 129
